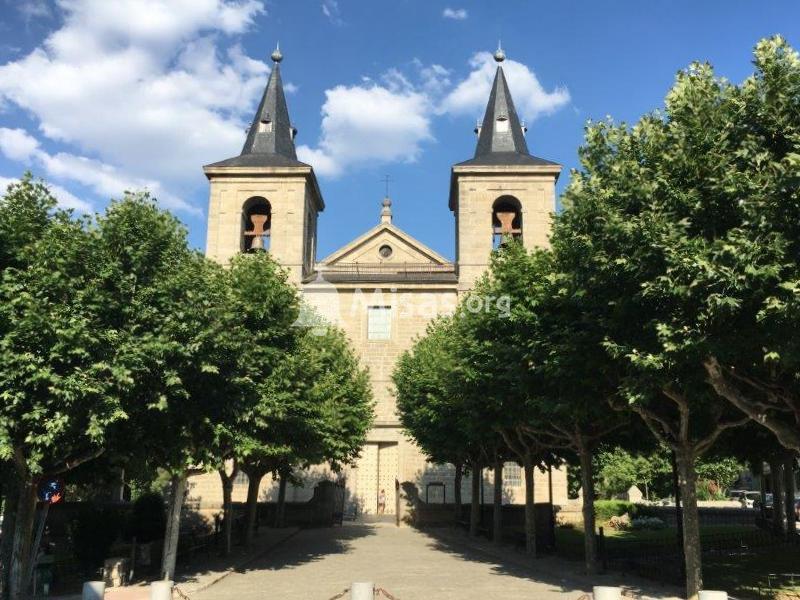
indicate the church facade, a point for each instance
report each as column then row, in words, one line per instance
column 384, row 287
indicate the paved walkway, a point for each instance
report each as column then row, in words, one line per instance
column 318, row 564
column 203, row 571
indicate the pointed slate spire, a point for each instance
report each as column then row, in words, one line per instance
column 501, row 130
column 271, row 131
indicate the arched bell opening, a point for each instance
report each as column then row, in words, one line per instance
column 506, row 220
column 256, row 224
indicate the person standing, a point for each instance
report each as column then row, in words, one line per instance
column 382, row 502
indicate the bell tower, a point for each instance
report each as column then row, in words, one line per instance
column 503, row 190
column 265, row 199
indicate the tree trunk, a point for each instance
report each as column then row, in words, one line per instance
column 687, row 479
column 457, row 492
column 497, row 512
column 10, row 505
column 788, row 474
column 589, row 533
column 475, row 500
column 530, row 507
column 22, row 552
column 280, row 509
column 762, row 487
column 171, row 535
column 227, row 507
column 778, row 497
column 254, row 477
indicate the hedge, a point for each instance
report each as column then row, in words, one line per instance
column 605, row 509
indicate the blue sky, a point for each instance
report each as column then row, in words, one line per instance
column 100, row 96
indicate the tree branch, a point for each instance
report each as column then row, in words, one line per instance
column 787, row 435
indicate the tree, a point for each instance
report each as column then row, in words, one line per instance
column 619, row 469
column 263, row 305
column 180, row 344
column 655, row 218
column 59, row 379
column 493, row 396
column 433, row 409
column 331, row 409
column 749, row 270
column 548, row 365
column 315, row 406
column 427, row 406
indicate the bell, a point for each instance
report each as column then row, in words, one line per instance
column 257, row 243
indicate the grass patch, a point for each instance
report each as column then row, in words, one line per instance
column 743, row 575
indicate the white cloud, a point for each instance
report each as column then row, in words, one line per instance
column 104, row 180
column 65, row 198
column 457, row 14
column 330, row 8
column 149, row 87
column 530, row 98
column 17, row 144
column 34, row 9
column 388, row 119
column 370, row 123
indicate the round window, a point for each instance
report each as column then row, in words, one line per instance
column 385, row 251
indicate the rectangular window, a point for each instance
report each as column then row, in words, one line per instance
column 379, row 322
column 512, row 474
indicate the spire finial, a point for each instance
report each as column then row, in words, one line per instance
column 499, row 55
column 386, row 211
column 276, row 54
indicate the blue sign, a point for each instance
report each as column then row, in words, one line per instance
column 51, row 490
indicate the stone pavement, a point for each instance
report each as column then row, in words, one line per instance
column 318, row 564
column 203, row 571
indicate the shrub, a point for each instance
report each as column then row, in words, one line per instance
column 709, row 490
column 148, row 519
column 620, row 523
column 647, row 523
column 605, row 509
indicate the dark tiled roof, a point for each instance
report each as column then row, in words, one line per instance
column 259, row 160
column 274, row 148
column 508, row 147
column 506, row 158
column 500, row 106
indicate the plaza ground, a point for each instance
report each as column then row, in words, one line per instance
column 319, row 564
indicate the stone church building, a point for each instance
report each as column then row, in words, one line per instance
column 385, row 286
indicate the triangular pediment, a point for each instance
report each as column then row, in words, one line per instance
column 366, row 249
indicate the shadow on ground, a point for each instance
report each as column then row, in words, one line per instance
column 202, row 570
column 562, row 574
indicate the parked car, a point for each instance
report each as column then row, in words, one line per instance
column 745, row 498
column 767, row 505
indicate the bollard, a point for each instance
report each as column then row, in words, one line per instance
column 713, row 595
column 93, row 590
column 161, row 590
column 362, row 591
column 604, row 592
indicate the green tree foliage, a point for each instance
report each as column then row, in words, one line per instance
column 437, row 396
column 262, row 305
column 429, row 405
column 619, row 469
column 59, row 379
column 424, row 383
column 178, row 342
column 677, row 227
column 326, row 415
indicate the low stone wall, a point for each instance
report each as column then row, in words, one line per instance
column 709, row 514
column 438, row 515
